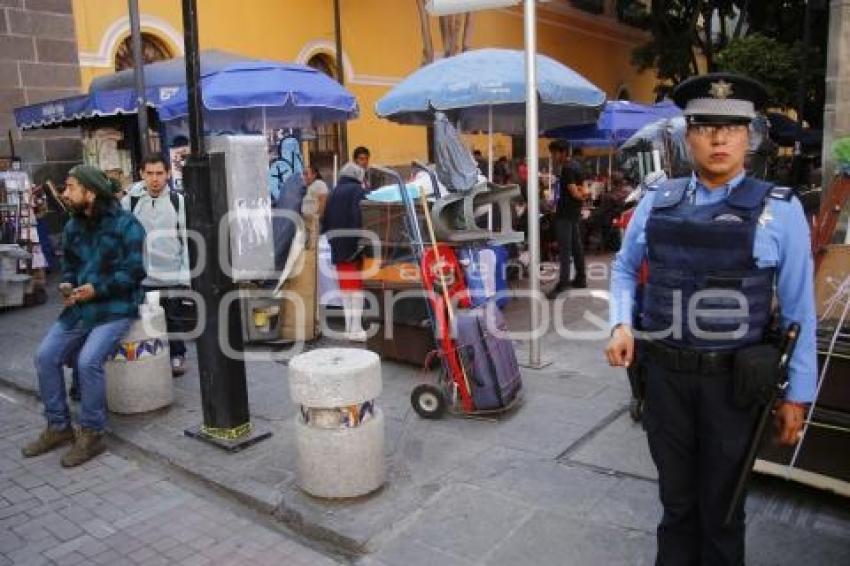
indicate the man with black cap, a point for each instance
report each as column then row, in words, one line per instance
column 720, row 245
column 102, row 271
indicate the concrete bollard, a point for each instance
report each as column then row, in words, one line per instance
column 339, row 430
column 138, row 373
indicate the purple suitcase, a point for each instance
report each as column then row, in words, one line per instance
column 490, row 360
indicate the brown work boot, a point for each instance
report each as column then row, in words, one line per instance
column 49, row 439
column 87, row 445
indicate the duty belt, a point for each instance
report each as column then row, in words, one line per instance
column 688, row 361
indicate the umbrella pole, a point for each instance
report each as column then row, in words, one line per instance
column 490, row 143
column 531, row 131
column 490, row 162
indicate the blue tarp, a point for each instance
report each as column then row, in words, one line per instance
column 467, row 87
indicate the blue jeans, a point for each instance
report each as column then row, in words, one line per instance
column 91, row 346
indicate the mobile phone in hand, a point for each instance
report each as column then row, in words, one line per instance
column 66, row 289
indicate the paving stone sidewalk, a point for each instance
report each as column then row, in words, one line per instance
column 564, row 480
column 116, row 511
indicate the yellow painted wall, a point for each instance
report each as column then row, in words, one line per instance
column 381, row 42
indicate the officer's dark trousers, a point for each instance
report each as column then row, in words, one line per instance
column 698, row 440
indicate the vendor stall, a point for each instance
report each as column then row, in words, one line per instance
column 250, row 107
column 22, row 262
column 246, row 105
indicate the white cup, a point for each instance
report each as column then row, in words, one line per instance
column 152, row 298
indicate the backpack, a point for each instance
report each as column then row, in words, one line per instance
column 175, row 202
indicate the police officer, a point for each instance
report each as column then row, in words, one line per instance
column 720, row 245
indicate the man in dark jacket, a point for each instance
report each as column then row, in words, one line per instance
column 102, row 270
column 342, row 212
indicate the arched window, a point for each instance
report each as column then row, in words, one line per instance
column 153, row 49
column 326, row 144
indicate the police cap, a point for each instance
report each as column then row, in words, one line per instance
column 719, row 98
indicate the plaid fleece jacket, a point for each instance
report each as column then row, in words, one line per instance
column 105, row 251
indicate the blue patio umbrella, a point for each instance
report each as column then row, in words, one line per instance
column 251, row 96
column 170, row 72
column 619, row 121
column 486, row 87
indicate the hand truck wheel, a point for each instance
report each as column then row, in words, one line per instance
column 428, row 401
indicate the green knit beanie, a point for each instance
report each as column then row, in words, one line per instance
column 95, row 180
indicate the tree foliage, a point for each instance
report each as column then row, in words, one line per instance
column 754, row 37
column 766, row 60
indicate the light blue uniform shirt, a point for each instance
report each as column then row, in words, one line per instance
column 781, row 241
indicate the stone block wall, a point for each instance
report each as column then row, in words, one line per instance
column 38, row 62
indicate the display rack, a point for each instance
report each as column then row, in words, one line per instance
column 22, row 263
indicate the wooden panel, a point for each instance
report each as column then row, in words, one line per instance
column 834, row 268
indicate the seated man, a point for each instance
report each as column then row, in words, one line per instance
column 102, row 268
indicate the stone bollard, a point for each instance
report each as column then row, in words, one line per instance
column 339, row 430
column 138, row 373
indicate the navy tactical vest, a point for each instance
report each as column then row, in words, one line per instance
column 705, row 290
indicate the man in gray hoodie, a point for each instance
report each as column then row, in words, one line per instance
column 163, row 214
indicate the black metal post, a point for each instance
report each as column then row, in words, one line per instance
column 224, row 390
column 139, row 75
column 802, row 83
column 193, row 77
column 340, row 73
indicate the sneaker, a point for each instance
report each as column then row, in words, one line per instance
column 579, row 283
column 49, row 439
column 87, row 445
column 178, row 366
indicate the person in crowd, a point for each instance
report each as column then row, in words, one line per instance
column 480, row 161
column 343, row 213
column 361, row 157
column 162, row 212
column 570, row 194
column 316, row 197
column 740, row 242
column 502, row 171
column 102, row 269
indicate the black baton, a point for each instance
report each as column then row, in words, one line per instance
column 786, row 350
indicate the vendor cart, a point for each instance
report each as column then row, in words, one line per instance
column 479, row 372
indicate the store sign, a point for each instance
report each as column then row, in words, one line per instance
column 167, row 92
column 49, row 110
